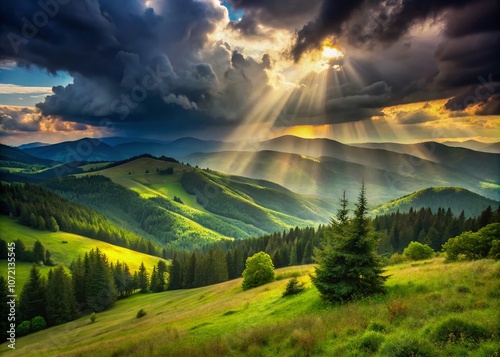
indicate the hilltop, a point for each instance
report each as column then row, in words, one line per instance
column 456, row 198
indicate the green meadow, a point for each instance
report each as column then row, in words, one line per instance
column 423, row 300
column 64, row 253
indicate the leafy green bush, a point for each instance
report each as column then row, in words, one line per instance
column 418, row 251
column 140, row 313
column 23, row 328
column 455, row 330
column 38, row 323
column 397, row 258
column 478, row 245
column 259, row 271
column 293, row 287
column 92, row 317
column 371, row 341
column 405, row 346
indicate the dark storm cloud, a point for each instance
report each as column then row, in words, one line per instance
column 282, row 14
column 130, row 63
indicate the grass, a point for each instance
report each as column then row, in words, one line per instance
column 64, row 253
column 223, row 320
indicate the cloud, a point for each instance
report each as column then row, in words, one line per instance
column 408, row 118
column 18, row 89
column 29, row 120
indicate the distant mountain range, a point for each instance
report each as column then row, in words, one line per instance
column 436, row 197
column 475, row 145
column 484, row 165
column 316, row 167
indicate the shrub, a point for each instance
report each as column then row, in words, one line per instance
column 405, row 346
column 259, row 271
column 397, row 258
column 37, row 323
column 371, row 341
column 462, row 289
column 472, row 245
column 92, row 317
column 418, row 251
column 23, row 328
column 495, row 250
column 376, row 326
column 140, row 313
column 293, row 287
column 455, row 330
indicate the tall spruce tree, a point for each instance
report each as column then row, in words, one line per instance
column 61, row 302
column 100, row 290
column 348, row 265
column 32, row 300
column 143, row 278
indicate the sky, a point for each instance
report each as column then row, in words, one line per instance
column 236, row 70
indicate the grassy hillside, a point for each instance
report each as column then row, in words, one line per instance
column 222, row 320
column 64, row 253
column 229, row 206
column 456, row 198
column 325, row 177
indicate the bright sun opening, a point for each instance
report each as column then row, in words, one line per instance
column 331, row 53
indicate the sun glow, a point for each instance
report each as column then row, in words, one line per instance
column 331, row 53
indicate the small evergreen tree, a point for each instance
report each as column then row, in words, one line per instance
column 348, row 266
column 38, row 252
column 143, row 278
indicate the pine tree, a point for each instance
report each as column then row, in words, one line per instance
column 153, row 286
column 52, row 224
column 38, row 252
column 61, row 302
column 176, row 274
column 100, row 290
column 32, row 300
column 348, row 266
column 143, row 278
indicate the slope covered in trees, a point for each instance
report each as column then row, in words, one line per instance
column 456, row 198
column 42, row 209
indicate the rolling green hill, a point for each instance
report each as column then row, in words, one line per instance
column 64, row 253
column 456, row 198
column 223, row 320
column 212, row 206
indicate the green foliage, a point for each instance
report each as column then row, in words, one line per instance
column 93, row 317
column 23, row 328
column 100, row 289
column 397, row 258
column 60, row 296
column 370, row 341
column 140, row 313
column 143, row 278
column 472, row 245
column 348, row 266
column 37, row 324
column 405, row 345
column 41, row 209
column 259, row 270
column 455, row 330
column 376, row 326
column 293, row 287
column 418, row 251
column 32, row 301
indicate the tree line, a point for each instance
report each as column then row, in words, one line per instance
column 39, row 208
column 226, row 260
column 38, row 254
column 93, row 285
